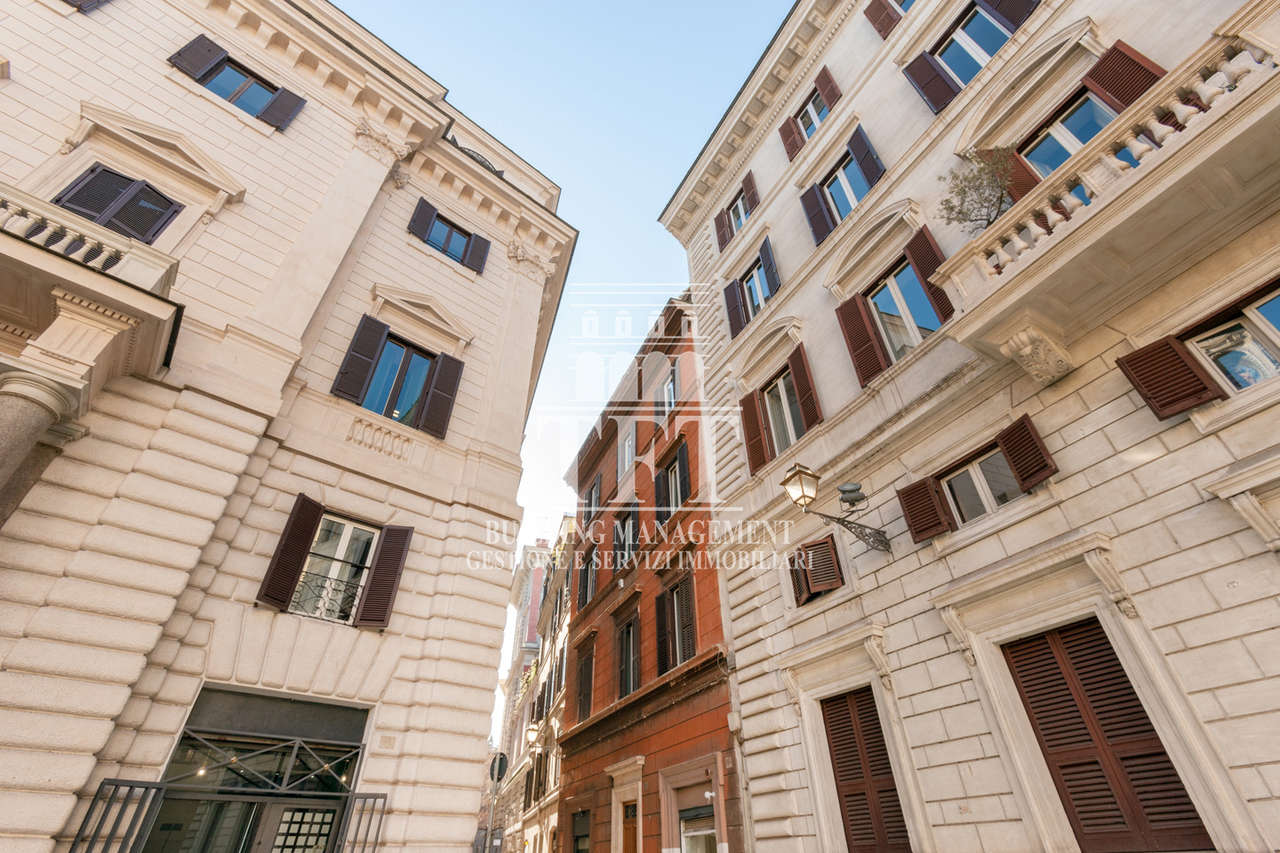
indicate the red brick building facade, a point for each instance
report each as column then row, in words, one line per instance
column 648, row 755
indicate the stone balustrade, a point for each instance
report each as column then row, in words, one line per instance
column 62, row 232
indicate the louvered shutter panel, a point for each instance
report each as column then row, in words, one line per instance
column 661, row 496
column 1169, row 377
column 424, row 216
column 806, row 394
column 865, row 156
column 931, row 81
column 95, row 192
column 85, row 5
column 528, row 789
column 769, row 266
column 290, row 558
column 476, row 254
column 870, row 357
column 662, row 614
column 283, row 108
column 753, row 432
column 792, row 137
column 1028, row 458
column 799, row 583
column 357, row 365
column 1011, row 13
column 822, row 565
column 682, row 472
column 826, row 86
column 1115, row 779
column 685, row 620
column 635, row 653
column 198, row 57
column 819, row 215
column 1022, row 177
column 585, row 671
column 925, row 257
column 869, row 804
column 882, row 16
column 925, row 509
column 724, row 229
column 1121, row 76
column 446, row 374
column 383, row 582
column 750, row 193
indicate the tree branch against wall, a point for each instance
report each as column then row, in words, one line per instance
column 978, row 189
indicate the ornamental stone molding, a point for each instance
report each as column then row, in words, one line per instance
column 41, row 390
column 1039, row 353
column 383, row 147
column 519, row 254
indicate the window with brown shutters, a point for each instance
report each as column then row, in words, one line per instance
column 759, row 449
column 1169, row 377
column 818, row 213
column 925, row 257
column 825, row 83
column 806, row 394
column 750, row 193
column 206, row 62
column 870, row 809
column 334, row 568
column 932, row 81
column 797, row 129
column 745, row 297
column 814, row 569
column 870, row 358
column 1025, row 451
column 883, row 15
column 769, row 416
column 586, row 672
column 125, row 205
column 793, row 137
column 925, row 509
column 627, row 655
column 676, row 626
column 470, row 250
column 724, row 229
column 1112, row 773
column 392, row 377
column 1121, row 76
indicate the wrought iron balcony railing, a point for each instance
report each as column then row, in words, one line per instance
column 326, row 597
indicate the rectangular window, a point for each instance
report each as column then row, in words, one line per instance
column 756, row 286
column 903, row 312
column 845, row 187
column 126, row 206
column 698, row 830
column 337, row 562
column 669, row 393
column 869, row 806
column 581, row 832
column 397, row 388
column 587, row 577
column 586, row 675
column 981, row 486
column 1246, row 349
column 628, row 658
column 676, row 480
column 812, row 113
column 684, row 639
column 626, row 536
column 591, row 499
column 233, row 82
column 1069, row 131
column 626, row 451
column 971, row 45
column 782, row 409
column 448, row 238
column 739, row 212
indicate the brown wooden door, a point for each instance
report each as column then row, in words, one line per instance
column 629, row 828
column 869, row 805
column 1116, row 781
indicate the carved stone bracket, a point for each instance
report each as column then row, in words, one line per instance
column 519, row 254
column 380, row 144
column 956, row 626
column 875, row 650
column 1040, row 353
column 1252, row 487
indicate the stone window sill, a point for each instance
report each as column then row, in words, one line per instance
column 992, row 523
column 1224, row 413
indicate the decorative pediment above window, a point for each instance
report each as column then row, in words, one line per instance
column 421, row 317
column 768, row 353
column 868, row 250
column 1252, row 487
column 156, row 142
column 1023, row 93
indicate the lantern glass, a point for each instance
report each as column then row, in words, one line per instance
column 801, row 486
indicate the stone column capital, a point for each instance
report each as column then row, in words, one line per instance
column 40, row 390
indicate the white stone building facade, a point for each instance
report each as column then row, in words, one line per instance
column 271, row 314
column 1064, row 424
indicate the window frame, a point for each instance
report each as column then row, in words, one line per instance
column 796, row 431
column 1253, row 321
column 672, row 472
column 901, row 6
column 680, row 655
column 755, row 282
column 807, row 109
column 912, row 328
column 738, row 208
column 250, row 78
column 349, row 526
column 839, row 175
column 397, row 384
column 451, row 228
column 627, row 524
column 956, row 33
column 980, row 483
column 627, row 451
column 628, row 629
column 587, row 578
column 669, row 397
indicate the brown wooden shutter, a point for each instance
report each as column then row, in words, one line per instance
column 85, row 5
column 1169, row 377
column 925, row 257
column 753, row 431
column 816, row 211
column 283, row 108
column 661, row 496
column 882, row 16
column 682, row 471
column 770, row 267
column 685, row 619
column 735, row 307
column 869, row 804
column 931, row 81
column 1022, row 177
column 198, row 57
column 826, row 86
column 750, row 194
column 357, row 365
column 1011, row 13
column 822, row 565
column 925, row 509
column 528, row 789
column 424, row 216
column 290, row 558
column 1121, row 76
column 865, row 156
column 476, row 254
column 806, row 395
column 446, row 374
column 586, row 668
column 724, row 229
column 663, row 615
column 799, row 583
column 870, row 357
column 793, row 138
column 1028, row 458
column 383, row 581
column 1115, row 779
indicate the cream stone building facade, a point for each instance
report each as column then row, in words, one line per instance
column 271, row 314
column 1064, row 425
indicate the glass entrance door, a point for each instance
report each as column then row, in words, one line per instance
column 242, row 826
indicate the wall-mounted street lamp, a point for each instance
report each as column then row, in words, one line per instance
column 531, row 734
column 801, row 486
